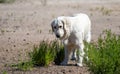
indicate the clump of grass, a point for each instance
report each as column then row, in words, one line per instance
column 7, row 1
column 104, row 56
column 24, row 65
column 47, row 53
column 2, row 31
column 103, row 10
column 4, row 72
column 39, row 31
column 44, row 2
column 43, row 55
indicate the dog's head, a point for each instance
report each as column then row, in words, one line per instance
column 60, row 27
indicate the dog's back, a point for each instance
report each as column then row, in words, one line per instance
column 81, row 23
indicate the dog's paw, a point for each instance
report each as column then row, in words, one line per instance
column 79, row 64
column 73, row 58
column 63, row 63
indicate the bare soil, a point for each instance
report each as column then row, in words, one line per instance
column 25, row 23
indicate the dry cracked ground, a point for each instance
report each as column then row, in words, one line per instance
column 25, row 23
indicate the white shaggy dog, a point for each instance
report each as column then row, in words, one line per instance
column 72, row 31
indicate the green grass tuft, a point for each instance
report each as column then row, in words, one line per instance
column 43, row 55
column 24, row 65
column 104, row 56
column 47, row 53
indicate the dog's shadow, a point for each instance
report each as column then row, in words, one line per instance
column 68, row 65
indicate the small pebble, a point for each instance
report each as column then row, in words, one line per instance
column 24, row 39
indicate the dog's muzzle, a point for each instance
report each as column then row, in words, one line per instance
column 58, row 36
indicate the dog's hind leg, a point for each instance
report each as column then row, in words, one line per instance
column 74, row 57
column 87, row 39
column 80, row 55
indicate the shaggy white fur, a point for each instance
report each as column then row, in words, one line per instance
column 72, row 30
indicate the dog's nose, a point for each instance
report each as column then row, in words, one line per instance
column 58, row 36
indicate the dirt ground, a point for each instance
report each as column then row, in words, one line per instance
column 26, row 22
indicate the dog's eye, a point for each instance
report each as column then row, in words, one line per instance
column 55, row 27
column 60, row 26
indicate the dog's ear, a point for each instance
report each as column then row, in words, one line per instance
column 66, row 26
column 52, row 23
column 66, row 23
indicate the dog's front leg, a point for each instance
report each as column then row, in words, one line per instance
column 66, row 57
